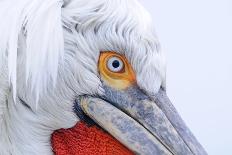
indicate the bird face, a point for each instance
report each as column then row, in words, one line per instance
column 145, row 123
column 100, row 57
column 123, row 73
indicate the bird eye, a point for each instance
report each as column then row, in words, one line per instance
column 115, row 64
column 115, row 70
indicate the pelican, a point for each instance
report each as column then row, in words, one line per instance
column 62, row 60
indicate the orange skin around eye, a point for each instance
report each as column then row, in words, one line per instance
column 117, row 80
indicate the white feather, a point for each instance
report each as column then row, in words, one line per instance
column 49, row 53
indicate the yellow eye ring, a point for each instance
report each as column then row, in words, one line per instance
column 115, row 70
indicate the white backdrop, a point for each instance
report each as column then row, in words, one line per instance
column 196, row 36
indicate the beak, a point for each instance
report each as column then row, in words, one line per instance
column 146, row 125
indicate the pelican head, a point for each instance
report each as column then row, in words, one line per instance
column 68, row 61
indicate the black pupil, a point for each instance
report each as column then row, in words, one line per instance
column 116, row 63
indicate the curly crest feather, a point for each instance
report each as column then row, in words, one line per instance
column 49, row 52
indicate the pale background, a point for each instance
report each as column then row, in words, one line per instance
column 196, row 36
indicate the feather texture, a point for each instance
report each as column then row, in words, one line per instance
column 49, row 53
column 40, row 22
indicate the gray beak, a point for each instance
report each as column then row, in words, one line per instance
column 146, row 125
